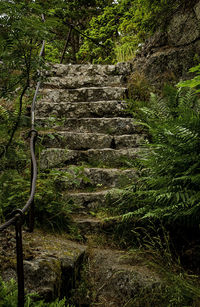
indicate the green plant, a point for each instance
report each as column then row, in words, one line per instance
column 51, row 210
column 139, row 88
column 193, row 83
column 122, row 25
column 125, row 51
column 169, row 173
column 175, row 287
column 8, row 297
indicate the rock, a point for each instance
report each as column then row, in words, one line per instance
column 83, row 94
column 83, row 141
column 83, row 109
column 88, row 225
column 168, row 55
column 82, row 81
column 88, row 70
column 56, row 157
column 183, row 29
column 54, row 265
column 109, row 126
column 81, row 178
column 43, row 276
column 92, row 201
column 116, row 278
column 197, row 10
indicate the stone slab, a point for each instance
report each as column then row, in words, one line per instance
column 84, row 141
column 83, row 94
column 55, row 157
column 87, row 202
column 81, row 109
column 70, row 82
column 111, row 126
column 75, row 178
column 89, row 69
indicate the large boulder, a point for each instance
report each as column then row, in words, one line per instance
column 168, row 54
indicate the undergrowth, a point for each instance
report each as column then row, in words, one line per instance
column 8, row 297
column 168, row 186
column 177, row 287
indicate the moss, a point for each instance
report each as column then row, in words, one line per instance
column 54, row 265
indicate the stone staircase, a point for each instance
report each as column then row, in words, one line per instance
column 87, row 134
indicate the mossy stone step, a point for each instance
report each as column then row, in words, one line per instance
column 89, row 225
column 56, row 157
column 91, row 202
column 69, row 82
column 113, row 108
column 111, row 126
column 84, row 141
column 77, row 70
column 95, row 178
column 83, row 94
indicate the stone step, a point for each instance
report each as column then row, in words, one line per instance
column 56, row 157
column 88, row 225
column 75, row 178
column 83, row 94
column 79, row 71
column 69, row 82
column 111, row 126
column 84, row 141
column 82, row 109
column 90, row 202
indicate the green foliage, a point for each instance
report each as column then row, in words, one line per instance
column 21, row 29
column 103, row 31
column 138, row 89
column 169, row 179
column 52, row 52
column 8, row 294
column 122, row 26
column 193, row 83
column 8, row 297
column 51, row 210
column 178, row 288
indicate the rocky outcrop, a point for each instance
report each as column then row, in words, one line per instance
column 168, row 55
column 52, row 263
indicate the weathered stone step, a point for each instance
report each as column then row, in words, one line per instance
column 55, row 157
column 92, row 201
column 51, row 264
column 88, row 225
column 83, row 94
column 84, row 141
column 74, row 178
column 82, row 109
column 68, row 82
column 119, row 277
column 83, row 70
column 111, row 126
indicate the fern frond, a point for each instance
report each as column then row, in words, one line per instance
column 4, row 114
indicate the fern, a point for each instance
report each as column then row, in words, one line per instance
column 168, row 188
column 4, row 115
